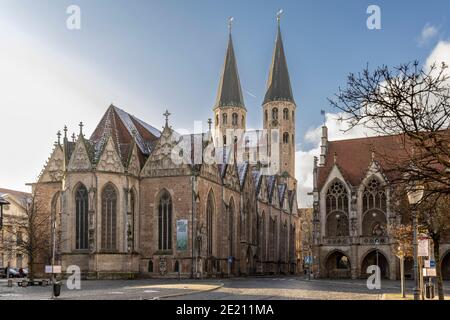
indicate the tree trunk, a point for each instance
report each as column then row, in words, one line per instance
column 437, row 258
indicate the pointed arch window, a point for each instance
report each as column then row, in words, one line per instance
column 81, row 217
column 231, row 228
column 224, row 140
column 285, row 138
column 165, row 222
column 234, row 119
column 210, row 223
column 337, row 210
column 374, row 209
column 131, row 221
column 217, row 120
column 285, row 114
column 266, row 116
column 109, row 218
column 374, row 196
column 224, row 118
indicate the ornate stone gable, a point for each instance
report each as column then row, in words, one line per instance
column 134, row 167
column 109, row 160
column 231, row 177
column 54, row 169
column 160, row 162
column 79, row 161
column 263, row 193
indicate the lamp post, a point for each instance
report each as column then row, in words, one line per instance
column 415, row 194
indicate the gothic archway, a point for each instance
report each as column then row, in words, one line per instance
column 445, row 266
column 375, row 257
column 338, row 266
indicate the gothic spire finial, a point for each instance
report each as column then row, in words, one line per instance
column 209, row 124
column 73, row 137
column 58, row 134
column 65, row 132
column 279, row 13
column 167, row 114
column 230, row 24
column 81, row 128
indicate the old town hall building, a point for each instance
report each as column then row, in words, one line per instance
column 123, row 206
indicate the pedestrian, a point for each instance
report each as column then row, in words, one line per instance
column 21, row 274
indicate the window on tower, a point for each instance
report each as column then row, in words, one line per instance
column 224, row 140
column 285, row 114
column 235, row 119
column 217, row 120
column 224, row 118
column 243, row 121
column 275, row 114
column 286, row 138
column 266, row 117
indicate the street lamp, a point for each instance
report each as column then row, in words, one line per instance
column 415, row 194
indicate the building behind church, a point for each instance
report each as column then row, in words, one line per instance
column 125, row 208
column 353, row 213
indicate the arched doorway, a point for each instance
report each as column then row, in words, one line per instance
column 338, row 266
column 373, row 258
column 445, row 266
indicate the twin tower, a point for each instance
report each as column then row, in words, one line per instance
column 278, row 105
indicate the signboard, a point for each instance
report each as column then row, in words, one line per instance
column 429, row 272
column 430, row 264
column 182, row 234
column 423, row 247
column 55, row 269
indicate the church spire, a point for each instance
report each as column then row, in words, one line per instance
column 279, row 84
column 230, row 92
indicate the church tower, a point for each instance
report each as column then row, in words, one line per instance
column 279, row 109
column 229, row 110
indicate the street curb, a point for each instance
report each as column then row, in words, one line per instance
column 187, row 293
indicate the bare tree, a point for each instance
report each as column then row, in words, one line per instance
column 412, row 104
column 34, row 227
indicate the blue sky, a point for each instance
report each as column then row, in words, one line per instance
column 146, row 56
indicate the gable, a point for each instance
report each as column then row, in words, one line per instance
column 79, row 161
column 109, row 159
column 134, row 167
column 54, row 168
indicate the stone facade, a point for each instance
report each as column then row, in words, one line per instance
column 353, row 216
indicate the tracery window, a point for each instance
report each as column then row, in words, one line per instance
column 234, row 119
column 337, row 210
column 275, row 114
column 109, row 218
column 81, row 217
column 165, row 222
column 285, row 114
column 210, row 223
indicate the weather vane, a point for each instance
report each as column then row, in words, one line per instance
column 230, row 23
column 279, row 13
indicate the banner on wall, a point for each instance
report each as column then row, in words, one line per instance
column 182, row 234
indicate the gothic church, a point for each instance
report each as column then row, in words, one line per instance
column 123, row 208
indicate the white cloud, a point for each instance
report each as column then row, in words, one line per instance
column 428, row 32
column 337, row 130
column 440, row 53
column 41, row 90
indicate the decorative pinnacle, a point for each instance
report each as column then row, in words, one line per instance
column 65, row 132
column 81, row 128
column 58, row 134
column 209, row 124
column 167, row 114
column 73, row 137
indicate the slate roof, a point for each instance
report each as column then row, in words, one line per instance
column 354, row 156
column 124, row 128
column 279, row 83
column 229, row 93
column 18, row 196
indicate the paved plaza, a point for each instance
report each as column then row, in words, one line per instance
column 257, row 288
